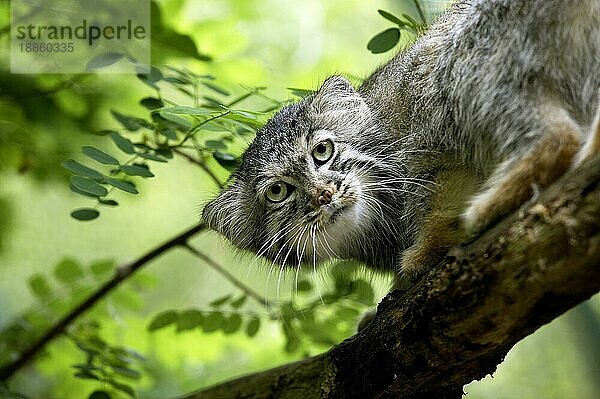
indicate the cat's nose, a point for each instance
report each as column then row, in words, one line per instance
column 325, row 197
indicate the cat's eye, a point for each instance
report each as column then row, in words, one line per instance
column 322, row 152
column 279, row 191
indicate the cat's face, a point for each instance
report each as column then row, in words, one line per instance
column 309, row 187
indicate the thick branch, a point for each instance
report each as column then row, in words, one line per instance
column 459, row 321
column 121, row 274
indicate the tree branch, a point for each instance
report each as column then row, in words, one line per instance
column 459, row 321
column 221, row 270
column 201, row 164
column 122, row 273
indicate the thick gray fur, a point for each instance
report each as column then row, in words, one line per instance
column 480, row 88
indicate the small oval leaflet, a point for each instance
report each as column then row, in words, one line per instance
column 177, row 119
column 189, row 319
column 124, row 144
column 68, row 270
column 137, row 170
column 39, row 286
column 99, row 155
column 152, row 103
column 390, row 17
column 227, row 161
column 384, row 41
column 122, row 185
column 103, row 60
column 252, row 327
column 79, row 169
column 220, row 301
column 213, row 322
column 88, row 186
column 163, row 319
column 99, row 395
column 130, row 123
column 85, row 214
column 232, row 323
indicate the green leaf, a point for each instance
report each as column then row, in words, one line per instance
column 178, row 120
column 391, row 17
column 89, row 186
column 151, row 78
column 127, row 372
column 227, row 161
column 78, row 191
column 238, row 302
column 164, row 152
column 176, row 81
column 130, row 123
column 39, row 286
column 216, row 88
column 252, row 327
column 153, row 157
column 68, row 270
column 189, row 319
column 384, row 41
column 122, row 185
column 213, row 322
column 163, row 319
column 215, row 145
column 152, row 103
column 101, row 268
column 301, row 93
column 108, row 202
column 137, row 170
column 80, row 169
column 124, row 144
column 86, row 375
column 127, row 299
column 85, row 214
column 122, row 387
column 220, row 301
column 98, row 155
column 99, row 395
column 169, row 133
column 232, row 323
column 103, row 60
column 411, row 20
column 182, row 109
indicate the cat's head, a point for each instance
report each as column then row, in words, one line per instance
column 310, row 186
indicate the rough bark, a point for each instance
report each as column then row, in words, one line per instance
column 459, row 321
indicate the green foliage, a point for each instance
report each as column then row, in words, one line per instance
column 389, row 38
column 106, row 363
column 310, row 322
column 169, row 127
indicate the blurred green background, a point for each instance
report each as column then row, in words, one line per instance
column 45, row 119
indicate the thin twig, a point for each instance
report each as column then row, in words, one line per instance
column 121, row 274
column 420, row 11
column 221, row 270
column 200, row 164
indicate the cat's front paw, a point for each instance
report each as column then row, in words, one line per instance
column 476, row 218
column 415, row 261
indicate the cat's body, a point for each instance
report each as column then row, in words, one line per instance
column 497, row 98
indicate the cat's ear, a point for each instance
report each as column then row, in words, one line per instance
column 337, row 85
column 224, row 215
column 337, row 94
